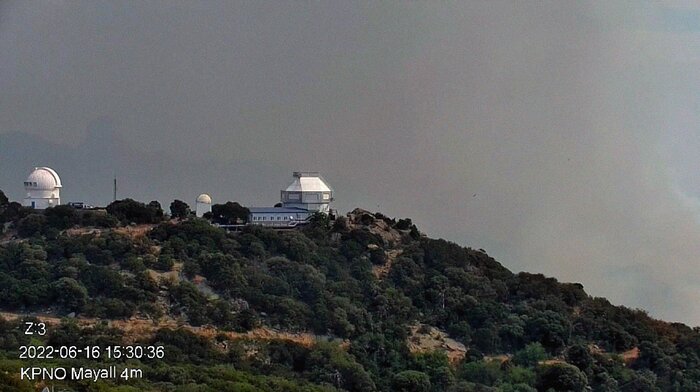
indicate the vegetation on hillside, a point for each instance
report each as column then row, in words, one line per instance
column 523, row 332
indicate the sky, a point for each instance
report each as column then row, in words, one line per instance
column 561, row 137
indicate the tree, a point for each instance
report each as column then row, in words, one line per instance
column 70, row 294
column 156, row 208
column 31, row 225
column 230, row 213
column 437, row 366
column 13, row 212
column 129, row 210
column 4, row 201
column 179, row 209
column 61, row 217
column 652, row 357
column 530, row 355
column 411, row 381
column 98, row 219
column 482, row 372
column 579, row 356
column 403, row 224
column 11, row 383
column 165, row 262
column 561, row 377
column 550, row 328
column 330, row 364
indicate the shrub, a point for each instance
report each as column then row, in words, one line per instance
column 31, row 225
column 131, row 211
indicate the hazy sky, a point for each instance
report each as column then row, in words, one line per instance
column 561, row 137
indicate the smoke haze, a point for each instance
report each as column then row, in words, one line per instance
column 561, row 137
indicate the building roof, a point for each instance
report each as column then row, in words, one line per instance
column 279, row 210
column 43, row 178
column 204, row 198
column 308, row 182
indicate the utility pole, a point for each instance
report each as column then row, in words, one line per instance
column 115, row 189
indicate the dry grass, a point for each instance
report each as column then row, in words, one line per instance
column 424, row 338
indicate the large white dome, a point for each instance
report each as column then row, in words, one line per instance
column 43, row 179
column 308, row 182
column 204, row 198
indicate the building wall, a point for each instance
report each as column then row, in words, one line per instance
column 312, row 207
column 276, row 218
column 41, row 203
column 306, row 197
column 202, row 208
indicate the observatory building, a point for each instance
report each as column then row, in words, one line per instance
column 42, row 189
column 308, row 191
column 307, row 194
column 202, row 205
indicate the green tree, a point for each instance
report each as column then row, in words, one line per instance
column 437, row 366
column 98, row 219
column 229, row 213
column 4, row 201
column 411, row 381
column 156, row 208
column 61, row 217
column 9, row 382
column 165, row 262
column 330, row 364
column 13, row 212
column 532, row 354
column 579, row 356
column 179, row 209
column 31, row 225
column 70, row 294
column 561, row 377
column 482, row 372
column 653, row 358
column 132, row 211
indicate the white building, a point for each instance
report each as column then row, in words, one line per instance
column 308, row 191
column 202, row 205
column 42, row 189
column 307, row 194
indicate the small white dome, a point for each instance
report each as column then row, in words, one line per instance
column 44, row 179
column 204, row 198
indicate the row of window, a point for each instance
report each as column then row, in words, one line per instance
column 29, row 183
column 310, row 197
column 264, row 218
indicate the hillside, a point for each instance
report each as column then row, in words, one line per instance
column 362, row 303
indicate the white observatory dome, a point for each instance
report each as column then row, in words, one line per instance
column 309, row 191
column 43, row 188
column 308, row 182
column 202, row 205
column 204, row 198
column 43, row 179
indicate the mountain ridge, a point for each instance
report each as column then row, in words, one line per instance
column 379, row 305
